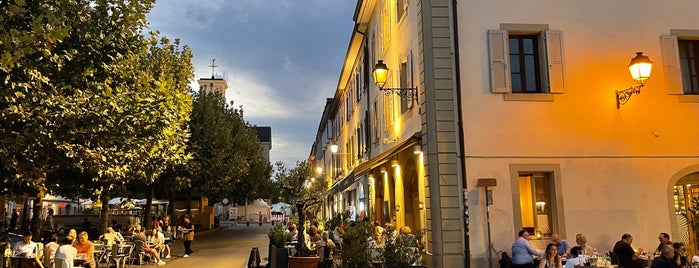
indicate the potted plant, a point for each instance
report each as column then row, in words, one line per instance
column 355, row 245
column 278, row 254
column 404, row 249
column 306, row 192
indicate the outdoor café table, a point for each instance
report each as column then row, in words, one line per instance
column 25, row 262
column 80, row 260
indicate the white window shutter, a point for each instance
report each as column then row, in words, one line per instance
column 554, row 58
column 498, row 49
column 671, row 64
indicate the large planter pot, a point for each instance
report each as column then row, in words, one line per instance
column 304, row 262
column 278, row 257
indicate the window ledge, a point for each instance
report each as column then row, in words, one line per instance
column 537, row 97
column 688, row 98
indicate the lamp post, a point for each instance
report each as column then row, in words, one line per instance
column 640, row 67
column 380, row 76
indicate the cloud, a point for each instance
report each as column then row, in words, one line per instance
column 280, row 58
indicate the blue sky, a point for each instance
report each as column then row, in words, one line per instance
column 281, row 58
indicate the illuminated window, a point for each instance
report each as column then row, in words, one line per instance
column 535, row 196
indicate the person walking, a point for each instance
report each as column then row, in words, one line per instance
column 13, row 219
column 187, row 229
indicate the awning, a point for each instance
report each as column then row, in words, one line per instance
column 343, row 184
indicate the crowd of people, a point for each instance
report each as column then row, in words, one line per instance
column 331, row 239
column 77, row 250
column 666, row 255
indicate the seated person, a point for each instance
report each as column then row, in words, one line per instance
column 157, row 240
column 667, row 253
column 138, row 236
column 86, row 250
column 292, row 236
column 26, row 250
column 111, row 237
column 26, row 247
column 628, row 258
column 50, row 248
column 168, row 237
column 573, row 258
column 66, row 253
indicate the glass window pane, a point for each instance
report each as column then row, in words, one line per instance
column 514, row 46
column 514, row 64
column 530, row 72
column 516, row 83
column 528, row 45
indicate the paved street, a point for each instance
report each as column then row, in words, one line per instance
column 226, row 246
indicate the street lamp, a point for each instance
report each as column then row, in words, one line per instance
column 334, row 149
column 380, row 76
column 640, row 68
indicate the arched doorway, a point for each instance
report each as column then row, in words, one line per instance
column 685, row 196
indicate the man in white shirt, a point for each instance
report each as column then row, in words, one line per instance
column 573, row 258
column 26, row 247
column 66, row 253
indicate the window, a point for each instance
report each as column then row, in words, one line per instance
column 401, row 6
column 406, row 81
column 389, row 111
column 689, row 62
column 526, row 59
column 385, row 26
column 535, row 201
column 358, row 83
column 348, row 102
column 375, row 119
column 536, row 208
column 681, row 61
column 524, row 64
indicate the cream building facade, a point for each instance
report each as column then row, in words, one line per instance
column 566, row 160
column 522, row 92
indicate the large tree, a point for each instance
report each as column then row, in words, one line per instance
column 227, row 155
column 83, row 86
column 302, row 190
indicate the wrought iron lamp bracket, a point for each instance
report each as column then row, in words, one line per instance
column 403, row 92
column 623, row 96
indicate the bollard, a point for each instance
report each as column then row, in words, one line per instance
column 254, row 260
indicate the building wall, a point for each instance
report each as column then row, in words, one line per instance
column 616, row 166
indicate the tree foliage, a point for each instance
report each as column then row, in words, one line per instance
column 85, row 91
column 302, row 190
column 227, row 155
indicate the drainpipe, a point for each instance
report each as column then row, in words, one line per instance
column 460, row 133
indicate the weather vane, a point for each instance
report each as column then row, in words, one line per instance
column 213, row 67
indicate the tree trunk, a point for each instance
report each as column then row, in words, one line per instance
column 25, row 215
column 171, row 209
column 36, row 215
column 149, row 208
column 3, row 211
column 189, row 202
column 104, row 215
column 301, row 228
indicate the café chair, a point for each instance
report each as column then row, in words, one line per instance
column 121, row 254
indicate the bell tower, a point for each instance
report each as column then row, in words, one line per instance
column 213, row 85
